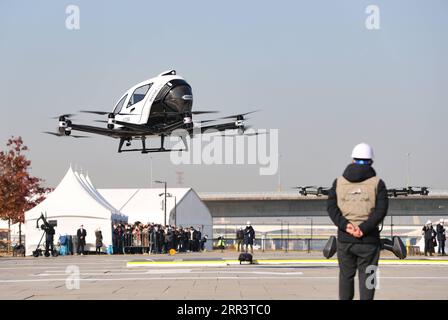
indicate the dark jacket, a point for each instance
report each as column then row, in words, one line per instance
column 81, row 236
column 369, row 228
column 249, row 235
column 429, row 233
column 98, row 239
column 441, row 234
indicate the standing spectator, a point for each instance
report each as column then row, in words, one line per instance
column 203, row 241
column 197, row 240
column 153, row 239
column 429, row 235
column 81, row 235
column 160, row 239
column 98, row 241
column 185, row 240
column 191, row 239
column 136, row 236
column 357, row 203
column 221, row 243
column 145, row 239
column 239, row 239
column 249, row 237
column 441, row 237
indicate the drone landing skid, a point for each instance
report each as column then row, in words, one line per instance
column 148, row 150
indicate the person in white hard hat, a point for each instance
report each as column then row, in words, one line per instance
column 441, row 238
column 357, row 203
column 249, row 237
column 239, row 239
column 429, row 235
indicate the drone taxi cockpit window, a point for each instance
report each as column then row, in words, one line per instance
column 139, row 94
column 120, row 104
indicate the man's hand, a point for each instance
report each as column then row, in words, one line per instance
column 350, row 229
column 358, row 233
column 354, row 231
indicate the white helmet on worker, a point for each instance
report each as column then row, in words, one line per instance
column 248, row 223
column 428, row 222
column 362, row 151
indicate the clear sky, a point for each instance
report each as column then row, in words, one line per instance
column 320, row 77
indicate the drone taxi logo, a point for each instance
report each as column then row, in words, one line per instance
column 253, row 147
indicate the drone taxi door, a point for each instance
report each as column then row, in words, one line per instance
column 133, row 106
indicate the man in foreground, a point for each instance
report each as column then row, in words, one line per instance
column 357, row 203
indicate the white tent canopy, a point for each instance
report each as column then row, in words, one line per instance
column 75, row 201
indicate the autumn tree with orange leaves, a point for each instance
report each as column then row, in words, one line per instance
column 19, row 191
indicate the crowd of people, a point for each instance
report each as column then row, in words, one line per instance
column 434, row 238
column 155, row 238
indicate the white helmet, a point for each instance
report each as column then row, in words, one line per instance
column 248, row 223
column 362, row 151
column 428, row 222
column 441, row 221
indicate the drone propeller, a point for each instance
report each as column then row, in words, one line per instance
column 174, row 113
column 239, row 115
column 244, row 134
column 204, row 121
column 101, row 113
column 63, row 135
column 67, row 115
column 304, row 187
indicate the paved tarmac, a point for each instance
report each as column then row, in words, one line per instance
column 294, row 276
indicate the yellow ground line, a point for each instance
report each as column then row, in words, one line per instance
column 282, row 261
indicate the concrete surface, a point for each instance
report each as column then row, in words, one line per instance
column 109, row 277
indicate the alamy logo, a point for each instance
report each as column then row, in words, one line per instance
column 216, row 148
column 73, row 280
column 72, row 22
column 373, row 18
column 373, row 278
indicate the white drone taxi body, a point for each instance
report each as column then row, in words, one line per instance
column 155, row 107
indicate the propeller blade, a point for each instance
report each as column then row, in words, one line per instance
column 203, row 112
column 67, row 115
column 78, row 136
column 173, row 113
column 204, row 121
column 63, row 135
column 53, row 133
column 237, row 115
column 255, row 133
column 101, row 113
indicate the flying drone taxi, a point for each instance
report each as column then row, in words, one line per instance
column 157, row 107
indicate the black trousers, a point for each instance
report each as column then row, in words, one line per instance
column 49, row 245
column 441, row 247
column 80, row 248
column 429, row 246
column 363, row 258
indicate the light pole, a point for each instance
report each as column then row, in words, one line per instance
column 281, row 233
column 311, row 235
column 164, row 202
column 408, row 173
column 150, row 158
column 169, row 195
